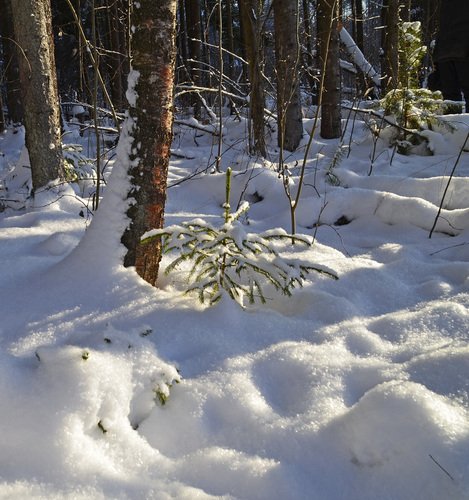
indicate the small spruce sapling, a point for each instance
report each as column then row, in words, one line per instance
column 228, row 261
column 411, row 108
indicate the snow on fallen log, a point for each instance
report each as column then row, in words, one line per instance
column 358, row 58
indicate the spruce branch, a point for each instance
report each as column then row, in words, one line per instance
column 226, row 260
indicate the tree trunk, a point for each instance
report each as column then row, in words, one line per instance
column 10, row 64
column 250, row 13
column 357, row 35
column 117, row 66
column 390, row 66
column 33, row 31
column 153, row 49
column 357, row 15
column 230, row 40
column 328, row 34
column 309, row 47
column 287, row 55
column 194, row 33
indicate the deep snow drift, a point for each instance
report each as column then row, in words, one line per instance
column 352, row 389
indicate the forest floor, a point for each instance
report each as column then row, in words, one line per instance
column 351, row 389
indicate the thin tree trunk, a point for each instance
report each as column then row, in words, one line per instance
column 250, row 12
column 357, row 35
column 390, row 66
column 11, row 66
column 154, row 51
column 194, row 33
column 309, row 47
column 33, row 32
column 230, row 40
column 116, row 58
column 182, row 36
column 328, row 35
column 287, row 55
column 357, row 15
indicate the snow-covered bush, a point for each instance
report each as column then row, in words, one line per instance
column 413, row 108
column 226, row 260
column 407, row 114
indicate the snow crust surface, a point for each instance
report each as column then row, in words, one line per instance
column 353, row 389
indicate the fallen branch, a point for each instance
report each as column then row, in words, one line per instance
column 372, row 112
column 196, row 126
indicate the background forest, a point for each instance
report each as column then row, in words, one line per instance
column 234, row 251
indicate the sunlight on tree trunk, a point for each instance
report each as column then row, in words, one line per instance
column 33, row 32
column 250, row 14
column 328, row 13
column 287, row 58
column 153, row 48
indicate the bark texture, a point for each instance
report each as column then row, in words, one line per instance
column 357, row 19
column 287, row 59
column 390, row 66
column 251, row 21
column 328, row 34
column 153, row 49
column 33, row 33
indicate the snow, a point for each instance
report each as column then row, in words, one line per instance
column 358, row 58
column 352, row 389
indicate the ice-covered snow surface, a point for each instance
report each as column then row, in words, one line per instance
column 353, row 389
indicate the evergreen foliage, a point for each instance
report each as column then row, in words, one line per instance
column 413, row 108
column 228, row 261
column 411, row 53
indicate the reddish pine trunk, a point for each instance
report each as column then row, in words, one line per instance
column 153, row 49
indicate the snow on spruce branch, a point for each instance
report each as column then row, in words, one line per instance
column 226, row 260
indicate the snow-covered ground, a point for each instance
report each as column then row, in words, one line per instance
column 352, row 389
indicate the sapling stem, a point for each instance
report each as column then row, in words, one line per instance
column 227, row 194
column 227, row 219
column 440, row 208
column 294, row 202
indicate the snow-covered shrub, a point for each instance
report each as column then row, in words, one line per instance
column 226, row 260
column 409, row 112
column 413, row 108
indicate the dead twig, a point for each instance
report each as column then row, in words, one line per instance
column 440, row 208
